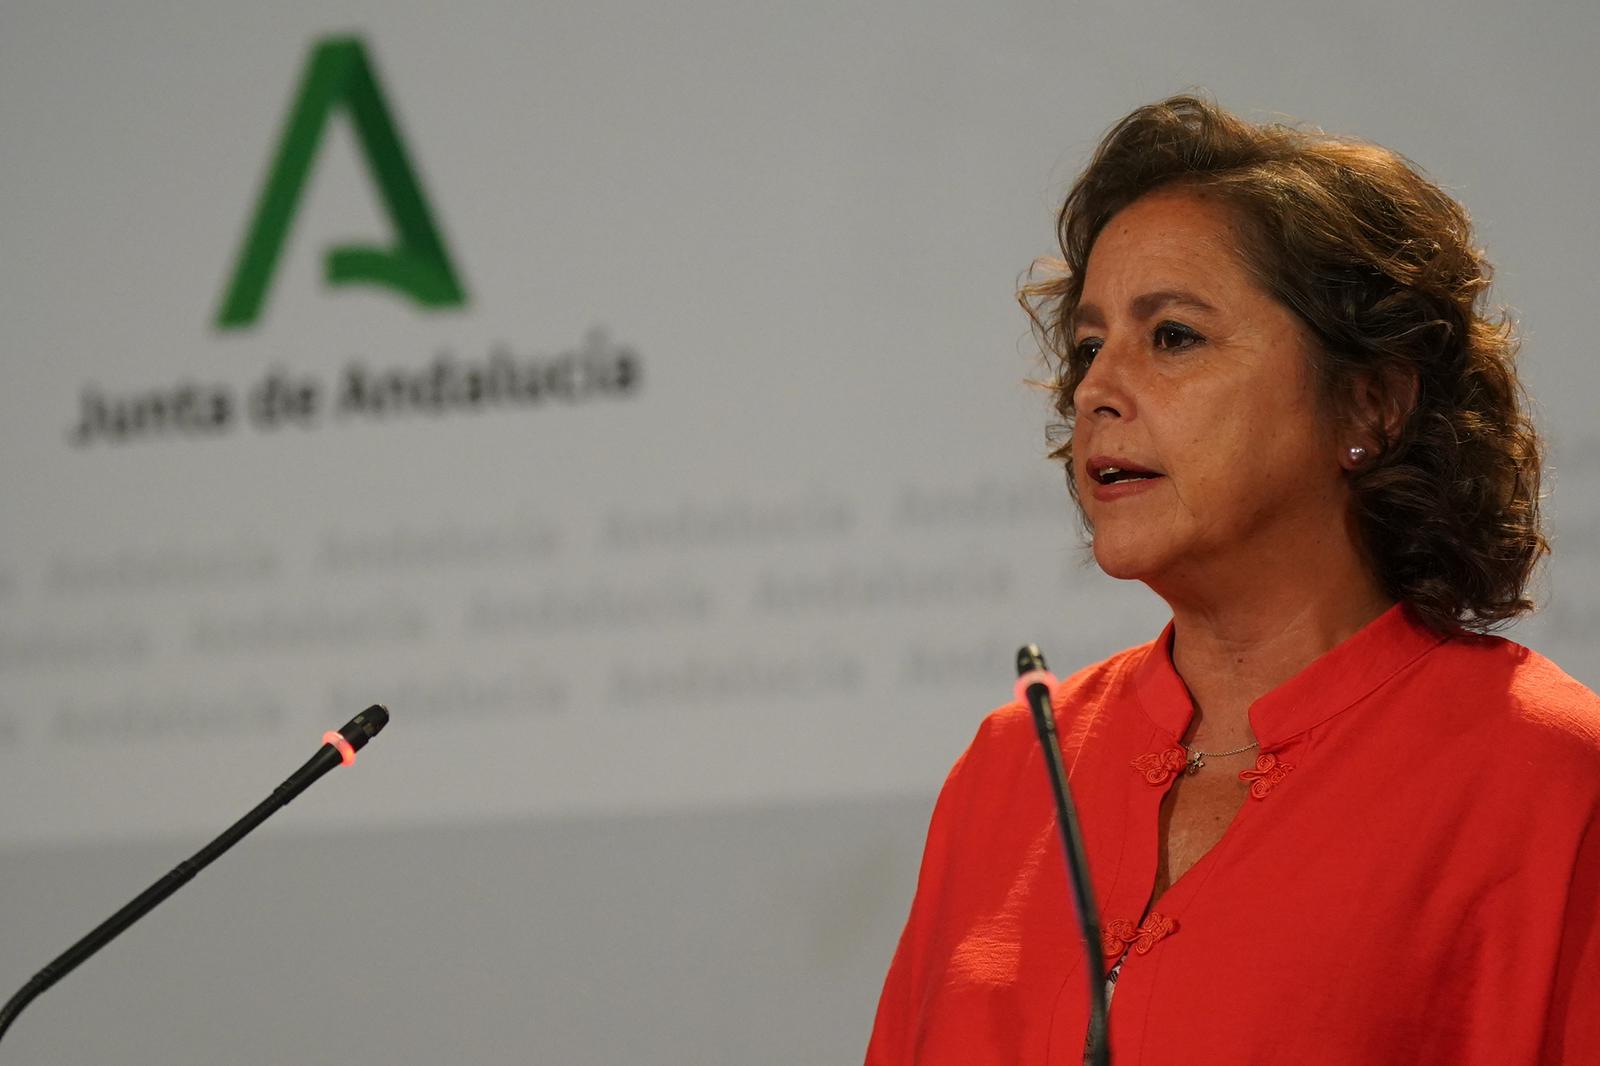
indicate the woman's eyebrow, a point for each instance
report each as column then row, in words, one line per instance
column 1143, row 306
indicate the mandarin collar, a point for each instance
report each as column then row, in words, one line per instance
column 1329, row 684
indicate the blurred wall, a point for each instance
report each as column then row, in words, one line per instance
column 675, row 482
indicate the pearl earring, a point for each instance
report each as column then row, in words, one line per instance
column 1356, row 454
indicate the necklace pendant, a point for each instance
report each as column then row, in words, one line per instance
column 1197, row 760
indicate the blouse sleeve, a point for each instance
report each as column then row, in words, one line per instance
column 894, row 1031
column 1572, row 1026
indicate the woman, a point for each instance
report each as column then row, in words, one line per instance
column 1328, row 821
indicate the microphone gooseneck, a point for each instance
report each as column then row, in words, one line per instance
column 1034, row 685
column 339, row 747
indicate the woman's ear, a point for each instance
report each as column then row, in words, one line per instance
column 1380, row 406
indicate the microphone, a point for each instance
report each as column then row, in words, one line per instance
column 1034, row 685
column 339, row 748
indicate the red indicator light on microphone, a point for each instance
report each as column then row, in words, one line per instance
column 347, row 754
column 1031, row 678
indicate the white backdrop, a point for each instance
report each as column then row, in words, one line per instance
column 758, row 600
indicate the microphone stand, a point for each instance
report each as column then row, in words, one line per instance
column 339, row 748
column 1034, row 683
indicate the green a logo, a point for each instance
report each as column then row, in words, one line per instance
column 417, row 265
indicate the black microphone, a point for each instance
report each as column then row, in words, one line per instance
column 1034, row 683
column 338, row 748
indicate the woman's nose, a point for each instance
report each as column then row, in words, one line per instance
column 1103, row 389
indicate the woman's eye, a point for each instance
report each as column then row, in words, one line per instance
column 1171, row 336
column 1084, row 351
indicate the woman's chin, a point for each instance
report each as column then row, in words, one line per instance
column 1124, row 561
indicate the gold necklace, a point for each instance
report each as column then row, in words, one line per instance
column 1197, row 758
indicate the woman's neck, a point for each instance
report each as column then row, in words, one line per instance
column 1231, row 654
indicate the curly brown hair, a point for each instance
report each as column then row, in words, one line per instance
column 1381, row 265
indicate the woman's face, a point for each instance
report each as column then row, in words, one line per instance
column 1201, row 389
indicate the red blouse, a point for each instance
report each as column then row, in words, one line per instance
column 1414, row 879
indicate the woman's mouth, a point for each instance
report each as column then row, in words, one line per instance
column 1115, row 478
column 1106, row 470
